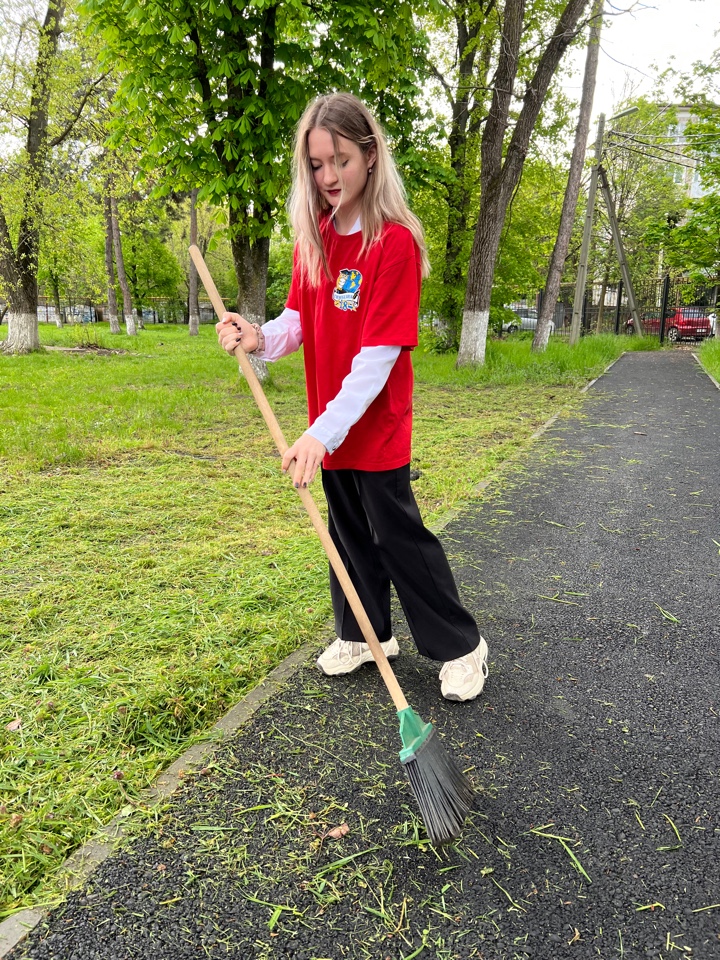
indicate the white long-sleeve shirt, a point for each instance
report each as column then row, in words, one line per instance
column 368, row 375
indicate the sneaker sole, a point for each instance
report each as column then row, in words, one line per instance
column 456, row 698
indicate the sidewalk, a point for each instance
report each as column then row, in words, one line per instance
column 594, row 571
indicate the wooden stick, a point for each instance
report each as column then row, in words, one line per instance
column 386, row 671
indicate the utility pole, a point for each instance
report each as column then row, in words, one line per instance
column 572, row 190
column 620, row 250
column 581, row 281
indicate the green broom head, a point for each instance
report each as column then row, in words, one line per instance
column 443, row 792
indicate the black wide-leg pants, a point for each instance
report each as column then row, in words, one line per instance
column 376, row 526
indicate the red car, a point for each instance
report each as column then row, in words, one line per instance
column 682, row 323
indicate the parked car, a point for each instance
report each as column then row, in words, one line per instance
column 682, row 323
column 526, row 320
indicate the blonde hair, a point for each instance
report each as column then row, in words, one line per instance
column 383, row 199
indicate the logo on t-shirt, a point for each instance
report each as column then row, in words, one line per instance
column 346, row 295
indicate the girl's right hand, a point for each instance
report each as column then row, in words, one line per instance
column 234, row 331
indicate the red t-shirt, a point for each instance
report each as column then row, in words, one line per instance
column 373, row 300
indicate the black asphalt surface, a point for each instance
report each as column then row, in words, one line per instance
column 594, row 570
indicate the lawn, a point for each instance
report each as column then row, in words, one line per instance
column 710, row 357
column 156, row 565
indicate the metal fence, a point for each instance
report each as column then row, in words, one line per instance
column 606, row 308
column 156, row 310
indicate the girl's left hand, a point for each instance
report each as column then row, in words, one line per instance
column 308, row 453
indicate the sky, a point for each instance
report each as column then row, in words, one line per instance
column 652, row 32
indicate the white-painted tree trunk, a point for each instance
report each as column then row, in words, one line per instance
column 474, row 337
column 260, row 368
column 114, row 321
column 258, row 365
column 22, row 333
column 130, row 328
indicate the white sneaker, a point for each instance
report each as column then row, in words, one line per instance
column 344, row 656
column 464, row 678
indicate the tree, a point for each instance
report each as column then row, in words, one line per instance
column 572, row 190
column 462, row 75
column 643, row 188
column 130, row 327
column 19, row 255
column 110, row 263
column 693, row 247
column 70, row 257
column 223, row 84
column 45, row 88
column 465, row 42
column 527, row 236
column 501, row 164
column 692, row 244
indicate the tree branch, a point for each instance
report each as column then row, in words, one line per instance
column 70, row 126
column 563, row 36
column 440, row 78
column 494, row 133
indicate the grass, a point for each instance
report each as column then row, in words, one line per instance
column 710, row 357
column 156, row 565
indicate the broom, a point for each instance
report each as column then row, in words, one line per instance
column 443, row 792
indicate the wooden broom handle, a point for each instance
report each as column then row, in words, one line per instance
column 386, row 671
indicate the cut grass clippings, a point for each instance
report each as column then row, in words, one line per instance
column 156, row 565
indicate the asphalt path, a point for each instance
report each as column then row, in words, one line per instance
column 594, row 571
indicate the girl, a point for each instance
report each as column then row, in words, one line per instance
column 353, row 304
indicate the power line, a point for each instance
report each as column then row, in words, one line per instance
column 676, row 141
column 656, row 146
column 653, row 156
column 692, row 137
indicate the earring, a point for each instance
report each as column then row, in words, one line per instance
column 370, row 170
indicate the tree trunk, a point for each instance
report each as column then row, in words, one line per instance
column 193, row 304
column 251, row 266
column 110, row 267
column 22, row 329
column 56, row 297
column 572, row 190
column 500, row 176
column 476, row 312
column 132, row 274
column 130, row 328
column 18, row 265
column 458, row 194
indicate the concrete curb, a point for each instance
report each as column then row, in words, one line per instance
column 82, row 864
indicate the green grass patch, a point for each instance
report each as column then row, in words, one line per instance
column 710, row 356
column 156, row 565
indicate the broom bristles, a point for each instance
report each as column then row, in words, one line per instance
column 443, row 792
